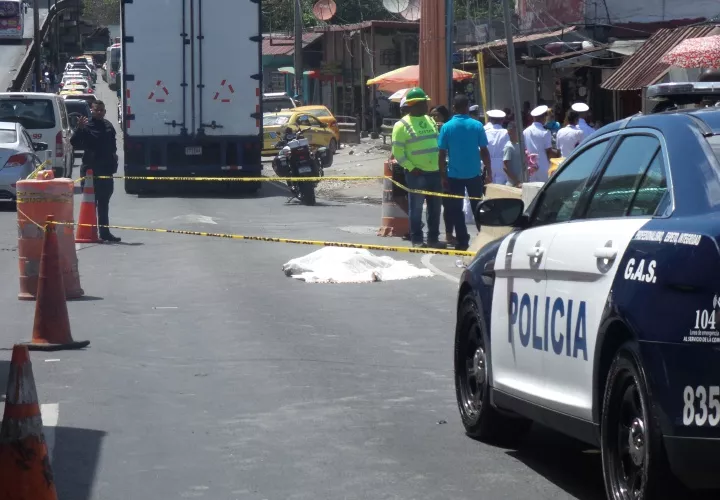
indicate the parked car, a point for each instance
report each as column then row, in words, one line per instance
column 18, row 157
column 324, row 115
column 46, row 119
column 272, row 102
column 316, row 132
column 77, row 108
column 597, row 315
column 80, row 95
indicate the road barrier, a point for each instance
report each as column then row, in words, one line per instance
column 349, row 129
column 36, row 200
column 87, row 232
column 394, row 220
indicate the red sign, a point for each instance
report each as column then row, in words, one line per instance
column 223, row 86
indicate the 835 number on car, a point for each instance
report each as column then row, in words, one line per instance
column 702, row 405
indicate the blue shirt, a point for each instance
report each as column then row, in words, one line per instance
column 461, row 137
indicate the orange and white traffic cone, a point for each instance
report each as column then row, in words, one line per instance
column 25, row 471
column 51, row 328
column 395, row 221
column 87, row 231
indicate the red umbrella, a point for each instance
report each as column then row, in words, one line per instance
column 701, row 52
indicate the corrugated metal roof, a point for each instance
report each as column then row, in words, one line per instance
column 398, row 25
column 644, row 68
column 521, row 39
column 284, row 45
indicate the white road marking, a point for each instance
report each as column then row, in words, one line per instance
column 195, row 218
column 51, row 360
column 426, row 262
column 50, row 414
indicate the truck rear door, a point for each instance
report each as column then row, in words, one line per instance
column 228, row 67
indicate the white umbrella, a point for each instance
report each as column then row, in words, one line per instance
column 398, row 96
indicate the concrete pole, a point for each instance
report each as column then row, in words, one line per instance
column 37, row 49
column 514, row 84
column 298, row 61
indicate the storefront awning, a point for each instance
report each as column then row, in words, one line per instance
column 532, row 37
column 644, row 68
column 572, row 59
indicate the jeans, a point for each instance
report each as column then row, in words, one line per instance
column 447, row 215
column 103, row 191
column 475, row 187
column 426, row 181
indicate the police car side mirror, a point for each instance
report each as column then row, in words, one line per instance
column 499, row 212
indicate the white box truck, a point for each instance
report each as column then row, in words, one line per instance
column 191, row 90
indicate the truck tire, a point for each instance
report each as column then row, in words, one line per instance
column 132, row 186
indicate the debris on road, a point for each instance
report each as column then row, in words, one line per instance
column 350, row 265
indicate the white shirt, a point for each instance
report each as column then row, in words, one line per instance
column 568, row 138
column 497, row 138
column 537, row 140
column 487, row 126
column 587, row 129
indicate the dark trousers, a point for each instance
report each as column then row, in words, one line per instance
column 424, row 181
column 447, row 215
column 475, row 187
column 103, row 192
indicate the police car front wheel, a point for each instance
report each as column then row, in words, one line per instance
column 633, row 458
column 472, row 380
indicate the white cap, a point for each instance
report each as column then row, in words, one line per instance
column 580, row 107
column 496, row 113
column 539, row 111
column 474, row 108
column 402, row 102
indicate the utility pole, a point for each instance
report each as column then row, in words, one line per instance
column 514, row 85
column 363, row 111
column 298, row 61
column 488, row 84
column 36, row 45
column 449, row 30
column 56, row 32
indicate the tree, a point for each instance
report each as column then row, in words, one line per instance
column 102, row 12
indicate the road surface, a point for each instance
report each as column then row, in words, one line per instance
column 12, row 53
column 212, row 375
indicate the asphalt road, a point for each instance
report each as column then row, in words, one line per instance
column 12, row 53
column 212, row 375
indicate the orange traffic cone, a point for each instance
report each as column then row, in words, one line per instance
column 87, row 231
column 25, row 471
column 394, row 221
column 51, row 329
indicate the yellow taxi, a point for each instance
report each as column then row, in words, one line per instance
column 71, row 88
column 324, row 115
column 316, row 132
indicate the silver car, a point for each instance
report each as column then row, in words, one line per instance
column 18, row 157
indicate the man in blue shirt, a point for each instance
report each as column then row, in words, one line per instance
column 464, row 142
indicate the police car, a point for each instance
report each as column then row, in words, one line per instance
column 598, row 314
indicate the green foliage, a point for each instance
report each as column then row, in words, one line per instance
column 102, row 12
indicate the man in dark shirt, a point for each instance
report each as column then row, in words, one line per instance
column 97, row 138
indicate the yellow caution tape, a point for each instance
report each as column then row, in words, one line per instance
column 34, row 173
column 295, row 179
column 381, row 248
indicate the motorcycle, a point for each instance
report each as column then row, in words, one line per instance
column 296, row 159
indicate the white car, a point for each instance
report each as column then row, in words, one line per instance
column 18, row 157
column 46, row 119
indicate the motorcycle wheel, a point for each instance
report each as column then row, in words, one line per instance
column 307, row 193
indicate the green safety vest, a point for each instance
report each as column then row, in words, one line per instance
column 415, row 143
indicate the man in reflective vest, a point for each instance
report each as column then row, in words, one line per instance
column 415, row 148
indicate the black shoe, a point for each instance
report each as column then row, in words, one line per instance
column 110, row 238
column 419, row 245
column 437, row 245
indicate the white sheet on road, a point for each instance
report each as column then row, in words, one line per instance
column 350, row 265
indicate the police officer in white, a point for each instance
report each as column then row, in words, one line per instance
column 582, row 109
column 497, row 138
column 538, row 140
column 569, row 136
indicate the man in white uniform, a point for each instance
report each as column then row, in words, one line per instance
column 538, row 140
column 582, row 109
column 569, row 136
column 497, row 138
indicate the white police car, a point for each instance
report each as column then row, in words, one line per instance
column 598, row 315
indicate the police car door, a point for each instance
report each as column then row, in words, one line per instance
column 520, row 313
column 583, row 260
